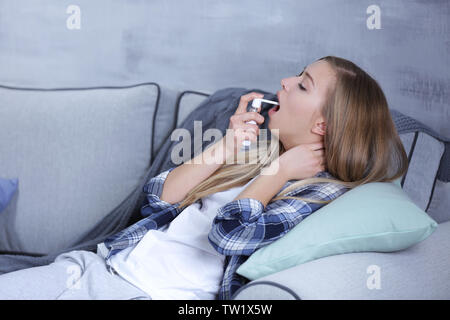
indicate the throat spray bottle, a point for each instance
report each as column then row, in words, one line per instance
column 256, row 107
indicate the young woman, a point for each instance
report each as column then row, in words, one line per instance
column 205, row 217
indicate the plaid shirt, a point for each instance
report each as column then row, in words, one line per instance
column 240, row 227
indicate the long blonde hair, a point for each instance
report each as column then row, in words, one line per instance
column 361, row 142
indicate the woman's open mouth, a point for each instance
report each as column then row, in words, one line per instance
column 273, row 110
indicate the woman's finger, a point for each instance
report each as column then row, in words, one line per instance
column 247, row 116
column 250, row 135
column 251, row 128
column 245, row 99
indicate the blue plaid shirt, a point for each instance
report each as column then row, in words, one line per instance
column 240, row 227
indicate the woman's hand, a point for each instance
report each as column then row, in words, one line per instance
column 302, row 161
column 238, row 129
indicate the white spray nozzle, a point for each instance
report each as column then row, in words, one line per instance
column 256, row 103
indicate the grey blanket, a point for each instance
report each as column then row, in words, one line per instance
column 214, row 112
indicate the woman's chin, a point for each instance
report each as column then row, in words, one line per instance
column 272, row 128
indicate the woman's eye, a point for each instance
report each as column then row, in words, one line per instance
column 300, row 85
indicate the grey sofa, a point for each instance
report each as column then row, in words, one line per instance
column 78, row 153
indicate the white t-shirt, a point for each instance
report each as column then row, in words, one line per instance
column 177, row 261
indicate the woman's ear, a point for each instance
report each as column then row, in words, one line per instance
column 320, row 128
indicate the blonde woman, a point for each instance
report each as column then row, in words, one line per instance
column 205, row 217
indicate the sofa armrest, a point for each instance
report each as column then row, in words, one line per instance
column 419, row 272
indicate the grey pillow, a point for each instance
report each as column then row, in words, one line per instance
column 187, row 102
column 78, row 153
column 424, row 154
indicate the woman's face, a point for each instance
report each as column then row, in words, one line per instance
column 299, row 119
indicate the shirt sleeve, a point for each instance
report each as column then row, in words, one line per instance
column 155, row 206
column 244, row 225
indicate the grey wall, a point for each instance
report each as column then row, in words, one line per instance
column 206, row 45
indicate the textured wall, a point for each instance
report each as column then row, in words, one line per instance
column 206, row 45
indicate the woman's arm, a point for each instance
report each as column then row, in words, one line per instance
column 184, row 178
column 265, row 187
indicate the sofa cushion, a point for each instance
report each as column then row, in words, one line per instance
column 7, row 189
column 173, row 108
column 78, row 153
column 376, row 216
column 187, row 102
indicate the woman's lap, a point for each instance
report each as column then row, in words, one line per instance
column 73, row 275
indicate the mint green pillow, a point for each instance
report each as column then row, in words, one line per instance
column 377, row 216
